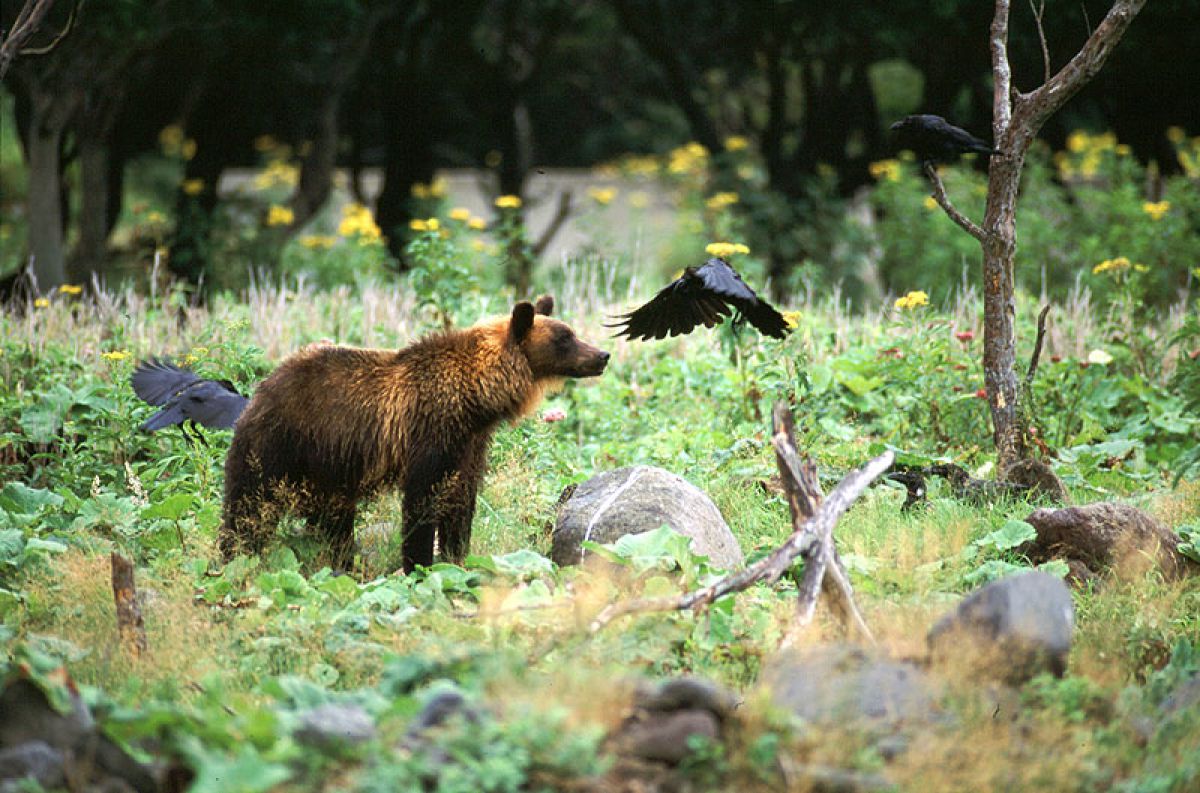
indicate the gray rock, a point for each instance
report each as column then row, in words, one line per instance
column 663, row 737
column 844, row 686
column 639, row 499
column 1186, row 695
column 688, row 693
column 1008, row 630
column 1104, row 534
column 332, row 726
column 33, row 760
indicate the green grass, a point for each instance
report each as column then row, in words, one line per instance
column 240, row 648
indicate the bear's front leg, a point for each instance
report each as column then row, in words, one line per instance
column 334, row 522
column 439, row 500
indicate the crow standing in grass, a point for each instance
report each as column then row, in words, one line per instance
column 703, row 295
column 183, row 396
column 934, row 139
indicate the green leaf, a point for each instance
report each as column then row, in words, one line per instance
column 246, row 772
column 522, row 564
column 1011, row 535
column 171, row 508
column 21, row 499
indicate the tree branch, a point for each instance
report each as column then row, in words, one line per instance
column 1051, row 96
column 28, row 20
column 561, row 213
column 1001, row 74
column 1037, row 346
column 1039, row 11
column 939, row 195
column 768, row 569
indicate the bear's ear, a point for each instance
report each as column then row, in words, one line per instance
column 545, row 305
column 521, row 322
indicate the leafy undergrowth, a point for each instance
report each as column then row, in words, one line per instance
column 236, row 653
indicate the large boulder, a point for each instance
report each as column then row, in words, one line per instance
column 1008, row 630
column 639, row 499
column 845, row 686
column 1103, row 534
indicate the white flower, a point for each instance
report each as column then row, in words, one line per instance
column 1099, row 357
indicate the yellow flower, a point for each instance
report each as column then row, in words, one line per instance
column 71, row 289
column 280, row 216
column 114, row 355
column 912, row 300
column 639, row 199
column 478, row 245
column 358, row 222
column 641, row 165
column 314, row 241
column 930, row 203
column 736, row 143
column 1077, row 141
column 1156, row 209
column 792, row 318
column 719, row 201
column 416, row 224
column 687, row 158
column 193, row 186
column 1123, row 150
column 1176, row 134
column 432, row 224
column 602, row 195
column 885, row 169
column 154, row 217
column 277, row 172
column 1118, row 264
column 509, row 202
column 170, row 138
column 188, row 149
column 460, row 213
column 1141, row 268
column 41, row 302
column 725, row 249
column 419, row 190
column 479, row 224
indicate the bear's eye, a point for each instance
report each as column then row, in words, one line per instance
column 562, row 339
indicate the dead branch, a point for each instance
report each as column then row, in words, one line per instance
column 804, row 497
column 130, row 625
column 939, row 195
column 561, row 213
column 1039, row 11
column 770, row 568
column 1037, row 346
column 28, row 20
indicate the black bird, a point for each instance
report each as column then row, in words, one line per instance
column 702, row 295
column 934, row 139
column 183, row 396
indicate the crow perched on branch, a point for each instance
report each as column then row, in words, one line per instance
column 703, row 295
column 183, row 396
column 934, row 139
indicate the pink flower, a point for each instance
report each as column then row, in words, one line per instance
column 965, row 335
column 981, row 393
column 554, row 414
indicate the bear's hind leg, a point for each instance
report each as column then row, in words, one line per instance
column 335, row 523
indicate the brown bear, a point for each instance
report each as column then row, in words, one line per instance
column 333, row 425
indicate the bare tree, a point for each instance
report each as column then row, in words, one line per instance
column 27, row 22
column 1017, row 118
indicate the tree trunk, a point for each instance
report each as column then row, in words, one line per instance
column 91, row 248
column 316, row 172
column 44, row 198
column 999, row 306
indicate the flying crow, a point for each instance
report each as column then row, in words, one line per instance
column 183, row 396
column 934, row 139
column 702, row 295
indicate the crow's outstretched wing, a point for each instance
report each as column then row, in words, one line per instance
column 703, row 295
column 185, row 397
column 155, row 381
column 723, row 281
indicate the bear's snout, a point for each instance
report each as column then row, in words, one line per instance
column 593, row 364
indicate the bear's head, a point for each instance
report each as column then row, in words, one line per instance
column 552, row 348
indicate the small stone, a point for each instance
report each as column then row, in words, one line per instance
column 1008, row 630
column 663, row 737
column 333, row 725
column 32, row 761
column 690, row 693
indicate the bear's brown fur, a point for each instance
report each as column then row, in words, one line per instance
column 333, row 425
